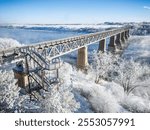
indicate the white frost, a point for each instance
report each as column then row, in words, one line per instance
column 6, row 43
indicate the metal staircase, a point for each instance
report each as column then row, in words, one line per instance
column 42, row 73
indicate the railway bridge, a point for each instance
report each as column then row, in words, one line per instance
column 38, row 66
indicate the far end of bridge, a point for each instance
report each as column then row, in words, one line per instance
column 116, row 42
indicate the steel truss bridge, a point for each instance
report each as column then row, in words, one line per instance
column 40, row 63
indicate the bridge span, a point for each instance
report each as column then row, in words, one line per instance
column 34, row 71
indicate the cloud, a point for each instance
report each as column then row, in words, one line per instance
column 147, row 7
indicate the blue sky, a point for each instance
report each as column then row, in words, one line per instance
column 73, row 11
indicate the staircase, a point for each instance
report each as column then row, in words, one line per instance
column 36, row 71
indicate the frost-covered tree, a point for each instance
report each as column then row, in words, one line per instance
column 9, row 91
column 128, row 74
column 60, row 100
column 11, row 99
column 102, row 64
column 6, row 43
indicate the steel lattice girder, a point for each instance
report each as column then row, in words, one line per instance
column 53, row 49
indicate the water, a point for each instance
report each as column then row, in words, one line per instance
column 29, row 36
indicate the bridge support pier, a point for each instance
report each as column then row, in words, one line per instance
column 1, row 60
column 102, row 45
column 118, row 41
column 126, row 35
column 123, row 37
column 111, row 45
column 82, row 59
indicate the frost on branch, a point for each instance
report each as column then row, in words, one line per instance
column 128, row 73
column 9, row 92
column 102, row 64
column 61, row 98
column 6, row 43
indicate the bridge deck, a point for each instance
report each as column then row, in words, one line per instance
column 56, row 48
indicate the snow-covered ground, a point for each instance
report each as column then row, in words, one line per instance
column 139, row 49
column 79, row 92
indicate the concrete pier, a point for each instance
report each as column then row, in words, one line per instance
column 111, row 45
column 118, row 41
column 126, row 35
column 82, row 59
column 102, row 45
column 123, row 37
